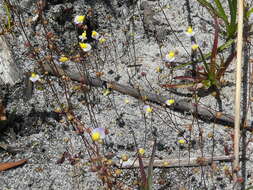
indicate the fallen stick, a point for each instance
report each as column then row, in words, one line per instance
column 175, row 163
column 9, row 165
column 179, row 105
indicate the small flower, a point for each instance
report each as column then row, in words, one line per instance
column 195, row 47
column 63, row 59
column 95, row 35
column 141, row 151
column 85, row 47
column 169, row 102
column 170, row 56
column 181, row 141
column 158, row 69
column 124, row 157
column 106, row 92
column 98, row 134
column 79, row 19
column 102, row 40
column 126, row 101
column 118, row 171
column 189, row 32
column 34, row 77
column 148, row 109
column 210, row 135
column 83, row 36
column 166, row 164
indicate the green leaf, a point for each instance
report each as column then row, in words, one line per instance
column 233, row 10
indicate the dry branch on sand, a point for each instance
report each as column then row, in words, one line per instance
column 179, row 105
column 175, row 163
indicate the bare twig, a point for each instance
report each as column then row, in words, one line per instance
column 175, row 163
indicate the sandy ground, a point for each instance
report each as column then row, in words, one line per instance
column 39, row 136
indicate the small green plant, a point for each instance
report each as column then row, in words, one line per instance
column 7, row 26
column 212, row 71
column 147, row 180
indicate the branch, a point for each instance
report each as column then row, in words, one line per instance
column 175, row 163
column 179, row 105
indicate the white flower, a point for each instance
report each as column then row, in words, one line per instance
column 34, row 77
column 97, row 134
column 148, row 109
column 83, row 36
column 95, row 35
column 79, row 19
column 169, row 102
column 85, row 46
column 170, row 56
column 189, row 32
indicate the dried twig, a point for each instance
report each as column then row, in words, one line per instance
column 9, row 165
column 174, row 163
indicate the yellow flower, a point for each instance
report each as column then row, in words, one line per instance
column 166, row 164
column 170, row 56
column 106, row 92
column 141, row 151
column 85, row 46
column 195, row 47
column 181, row 141
column 126, row 101
column 189, row 32
column 83, row 36
column 124, row 157
column 34, row 77
column 95, row 35
column 148, row 109
column 95, row 136
column 169, row 102
column 63, row 59
column 98, row 134
column 102, row 40
column 79, row 19
column 118, row 171
column 158, row 69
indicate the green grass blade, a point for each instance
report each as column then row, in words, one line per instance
column 221, row 11
column 209, row 7
column 7, row 9
column 150, row 168
column 233, row 9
